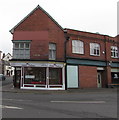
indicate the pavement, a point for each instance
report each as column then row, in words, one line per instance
column 10, row 88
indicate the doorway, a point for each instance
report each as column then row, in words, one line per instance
column 99, row 80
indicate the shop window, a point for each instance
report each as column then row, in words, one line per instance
column 77, row 47
column 52, row 51
column 34, row 75
column 55, row 76
column 115, row 77
column 114, row 52
column 94, row 49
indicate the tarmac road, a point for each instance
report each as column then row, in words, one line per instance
column 92, row 103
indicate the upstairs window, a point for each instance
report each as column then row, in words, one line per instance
column 21, row 45
column 114, row 52
column 16, row 45
column 94, row 49
column 21, row 50
column 77, row 47
column 52, row 51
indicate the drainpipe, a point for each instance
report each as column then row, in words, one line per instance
column 105, row 50
column 106, row 59
column 67, row 38
column 108, row 64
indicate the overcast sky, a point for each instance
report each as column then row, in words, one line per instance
column 85, row 15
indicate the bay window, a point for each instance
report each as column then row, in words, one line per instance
column 21, row 49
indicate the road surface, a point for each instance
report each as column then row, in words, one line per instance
column 94, row 104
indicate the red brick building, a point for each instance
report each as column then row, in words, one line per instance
column 46, row 56
column 96, row 58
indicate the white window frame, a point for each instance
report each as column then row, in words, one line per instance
column 77, row 47
column 114, row 52
column 95, row 49
column 52, row 51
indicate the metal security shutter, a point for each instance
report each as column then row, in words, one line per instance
column 72, row 76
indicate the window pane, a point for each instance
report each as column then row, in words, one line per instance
column 16, row 45
column 73, row 42
column 21, row 45
column 52, row 46
column 50, row 55
column 55, row 76
column 54, row 55
column 77, row 47
column 27, row 45
column 52, row 51
column 116, row 54
column 35, row 75
column 81, row 50
column 94, row 49
column 98, row 52
column 91, row 49
column 114, row 51
column 111, row 53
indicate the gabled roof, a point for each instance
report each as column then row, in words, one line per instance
column 7, row 57
column 38, row 7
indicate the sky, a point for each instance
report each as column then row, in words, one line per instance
column 85, row 15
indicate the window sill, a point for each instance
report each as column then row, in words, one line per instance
column 78, row 53
column 95, row 55
column 114, row 57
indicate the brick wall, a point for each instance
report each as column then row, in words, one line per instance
column 41, row 29
column 111, row 42
column 87, row 77
column 35, row 22
column 0, row 63
column 105, row 45
column 86, row 49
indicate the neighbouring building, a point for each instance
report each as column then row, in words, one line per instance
column 0, row 63
column 7, row 69
column 92, row 59
column 48, row 57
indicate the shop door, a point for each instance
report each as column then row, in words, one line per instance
column 17, row 77
column 99, row 80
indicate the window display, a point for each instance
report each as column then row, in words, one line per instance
column 33, row 75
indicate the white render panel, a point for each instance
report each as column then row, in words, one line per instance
column 72, row 76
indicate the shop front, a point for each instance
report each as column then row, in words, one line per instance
column 39, row 75
column 115, row 76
